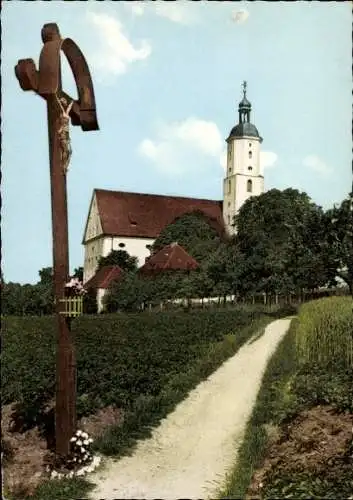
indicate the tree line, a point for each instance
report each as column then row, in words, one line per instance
column 284, row 244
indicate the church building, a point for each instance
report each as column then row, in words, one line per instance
column 118, row 220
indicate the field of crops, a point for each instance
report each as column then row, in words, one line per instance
column 325, row 332
column 119, row 357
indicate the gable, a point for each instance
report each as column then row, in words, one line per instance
column 93, row 224
column 171, row 257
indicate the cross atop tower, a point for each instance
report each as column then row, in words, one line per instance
column 244, row 85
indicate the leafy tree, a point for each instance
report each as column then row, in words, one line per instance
column 119, row 258
column 224, row 269
column 280, row 235
column 340, row 239
column 78, row 273
column 126, row 294
column 46, row 275
column 90, row 305
column 44, row 292
column 12, row 299
column 193, row 232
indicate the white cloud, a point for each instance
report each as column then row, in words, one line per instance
column 179, row 11
column 268, row 159
column 180, row 146
column 318, row 165
column 240, row 16
column 116, row 51
column 137, row 7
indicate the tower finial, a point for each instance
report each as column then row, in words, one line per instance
column 244, row 85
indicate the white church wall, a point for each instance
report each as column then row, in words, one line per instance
column 100, row 294
column 101, row 247
column 93, row 251
column 241, row 189
column 136, row 247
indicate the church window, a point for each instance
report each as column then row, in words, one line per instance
column 250, row 168
column 249, row 186
column 250, row 144
column 122, row 245
column 228, row 219
column 229, row 187
column 228, row 203
column 250, row 154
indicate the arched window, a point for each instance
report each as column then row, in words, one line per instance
column 249, row 186
column 250, row 168
column 229, row 187
column 250, row 154
column 228, row 219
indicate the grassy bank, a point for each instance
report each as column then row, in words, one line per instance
column 307, row 370
column 146, row 364
column 273, row 404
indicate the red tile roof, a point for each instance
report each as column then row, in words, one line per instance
column 103, row 277
column 171, row 257
column 145, row 215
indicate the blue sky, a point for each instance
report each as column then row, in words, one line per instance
column 167, row 78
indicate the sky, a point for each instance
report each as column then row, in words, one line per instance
column 167, row 79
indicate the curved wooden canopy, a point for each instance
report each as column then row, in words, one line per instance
column 47, row 81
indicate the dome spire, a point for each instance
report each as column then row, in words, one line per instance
column 244, row 106
column 244, row 85
column 244, row 128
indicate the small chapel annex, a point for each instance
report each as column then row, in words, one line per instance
column 119, row 220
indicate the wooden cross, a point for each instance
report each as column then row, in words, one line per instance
column 47, row 83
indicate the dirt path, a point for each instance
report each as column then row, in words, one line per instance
column 190, row 452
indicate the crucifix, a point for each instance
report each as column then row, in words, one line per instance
column 46, row 82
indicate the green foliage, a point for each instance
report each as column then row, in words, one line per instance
column 126, row 294
column 193, row 232
column 280, row 235
column 119, row 258
column 324, row 335
column 131, row 292
column 61, row 489
column 28, row 363
column 337, row 483
column 23, row 300
column 224, row 268
column 46, row 276
column 339, row 234
column 78, row 273
column 90, row 302
column 118, row 347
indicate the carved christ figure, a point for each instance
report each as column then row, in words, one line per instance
column 64, row 132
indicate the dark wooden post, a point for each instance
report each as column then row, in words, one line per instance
column 47, row 83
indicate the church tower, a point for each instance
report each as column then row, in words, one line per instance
column 243, row 177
